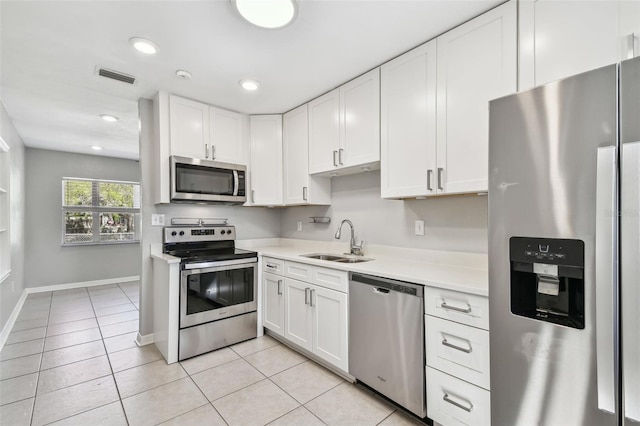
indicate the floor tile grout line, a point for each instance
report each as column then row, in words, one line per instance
column 113, row 376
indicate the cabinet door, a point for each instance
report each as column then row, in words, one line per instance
column 273, row 306
column 266, row 160
column 324, row 132
column 330, row 333
column 562, row 38
column 477, row 62
column 296, row 156
column 408, row 123
column 360, row 120
column 227, row 144
column 298, row 313
column 189, row 127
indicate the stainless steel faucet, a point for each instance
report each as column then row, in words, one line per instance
column 355, row 249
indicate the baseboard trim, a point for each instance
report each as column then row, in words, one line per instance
column 4, row 335
column 68, row 286
column 147, row 339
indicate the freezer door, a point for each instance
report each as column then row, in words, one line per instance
column 542, row 184
column 630, row 236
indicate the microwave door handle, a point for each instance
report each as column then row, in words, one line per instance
column 236, row 183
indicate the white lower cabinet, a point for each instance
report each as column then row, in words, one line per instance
column 300, row 307
column 451, row 401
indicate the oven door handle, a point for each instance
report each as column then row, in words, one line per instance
column 251, row 261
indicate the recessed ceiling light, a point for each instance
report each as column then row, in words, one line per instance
column 267, row 13
column 183, row 75
column 143, row 45
column 110, row 118
column 96, row 148
column 249, row 85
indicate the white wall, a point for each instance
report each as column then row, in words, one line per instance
column 254, row 222
column 47, row 261
column 457, row 223
column 12, row 287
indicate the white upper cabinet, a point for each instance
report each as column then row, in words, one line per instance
column 266, row 160
column 299, row 187
column 344, row 127
column 408, row 126
column 324, row 132
column 562, row 38
column 189, row 127
column 226, row 141
column 477, row 62
column 434, row 107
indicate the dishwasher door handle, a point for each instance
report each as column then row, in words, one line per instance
column 380, row 290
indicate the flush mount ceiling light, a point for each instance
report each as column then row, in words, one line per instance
column 110, row 118
column 143, row 45
column 267, row 13
column 183, row 75
column 249, row 85
column 96, row 148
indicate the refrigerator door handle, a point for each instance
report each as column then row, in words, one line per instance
column 630, row 277
column 606, row 279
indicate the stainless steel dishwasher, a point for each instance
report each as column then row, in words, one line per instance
column 386, row 338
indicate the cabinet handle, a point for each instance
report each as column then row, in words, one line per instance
column 457, row 404
column 631, row 45
column 279, row 288
column 253, row 195
column 311, row 297
column 335, row 162
column 270, row 266
column 304, row 193
column 306, row 296
column 206, row 150
column 340, row 151
column 453, row 308
column 445, row 342
column 440, row 171
column 213, row 152
column 429, row 174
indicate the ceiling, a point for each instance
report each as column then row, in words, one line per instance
column 50, row 51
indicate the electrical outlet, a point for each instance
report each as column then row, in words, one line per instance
column 419, row 227
column 299, row 225
column 157, row 220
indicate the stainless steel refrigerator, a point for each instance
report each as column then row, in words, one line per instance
column 564, row 251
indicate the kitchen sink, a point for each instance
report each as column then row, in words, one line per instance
column 336, row 258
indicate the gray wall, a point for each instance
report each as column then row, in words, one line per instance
column 251, row 222
column 12, row 287
column 457, row 223
column 47, row 261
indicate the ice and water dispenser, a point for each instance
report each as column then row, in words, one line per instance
column 547, row 280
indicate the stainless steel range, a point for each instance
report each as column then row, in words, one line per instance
column 218, row 288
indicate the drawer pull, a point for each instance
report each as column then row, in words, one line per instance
column 457, row 404
column 270, row 266
column 461, row 349
column 453, row 308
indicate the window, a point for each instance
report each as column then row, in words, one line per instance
column 100, row 211
column 5, row 242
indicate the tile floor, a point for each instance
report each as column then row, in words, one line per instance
column 71, row 359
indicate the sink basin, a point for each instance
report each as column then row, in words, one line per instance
column 336, row 258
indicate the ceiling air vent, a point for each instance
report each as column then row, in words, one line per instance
column 116, row 75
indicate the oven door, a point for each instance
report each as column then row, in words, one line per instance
column 219, row 290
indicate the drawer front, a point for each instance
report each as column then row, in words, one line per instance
column 299, row 271
column 460, row 307
column 273, row 266
column 451, row 401
column 331, row 278
column 458, row 349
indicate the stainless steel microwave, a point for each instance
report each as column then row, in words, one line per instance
column 205, row 181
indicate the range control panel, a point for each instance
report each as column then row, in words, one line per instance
column 182, row 234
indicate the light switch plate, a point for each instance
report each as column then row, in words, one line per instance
column 157, row 220
column 299, row 225
column 419, row 227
